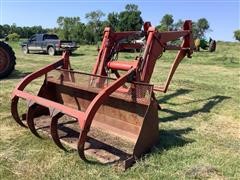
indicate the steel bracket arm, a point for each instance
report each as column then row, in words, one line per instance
column 64, row 62
column 185, row 49
column 23, row 83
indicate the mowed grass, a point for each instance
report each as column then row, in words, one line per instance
column 199, row 126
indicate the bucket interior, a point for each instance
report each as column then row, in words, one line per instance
column 123, row 112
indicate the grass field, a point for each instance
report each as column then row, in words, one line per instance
column 199, row 134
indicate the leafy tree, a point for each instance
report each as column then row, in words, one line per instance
column 131, row 7
column 27, row 32
column 199, row 28
column 95, row 23
column 94, row 17
column 237, row 35
column 202, row 26
column 195, row 30
column 113, row 21
column 13, row 28
column 5, row 30
column 1, row 32
column 52, row 30
column 178, row 25
column 166, row 23
column 89, row 35
column 130, row 19
column 68, row 27
column 37, row 29
column 78, row 33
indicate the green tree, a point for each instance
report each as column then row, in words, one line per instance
column 6, row 30
column 78, row 33
column 94, row 17
column 1, row 32
column 89, row 35
column 131, row 7
column 237, row 35
column 202, row 26
column 166, row 23
column 195, row 30
column 95, row 23
column 13, row 28
column 178, row 25
column 27, row 32
column 68, row 27
column 113, row 20
column 130, row 19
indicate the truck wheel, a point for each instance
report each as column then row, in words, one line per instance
column 212, row 46
column 25, row 50
column 51, row 51
column 7, row 60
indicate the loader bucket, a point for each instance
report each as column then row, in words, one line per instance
column 96, row 113
column 93, row 110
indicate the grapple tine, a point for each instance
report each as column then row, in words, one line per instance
column 80, row 145
column 54, row 131
column 14, row 111
column 30, row 120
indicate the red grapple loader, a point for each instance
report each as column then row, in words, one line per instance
column 124, row 106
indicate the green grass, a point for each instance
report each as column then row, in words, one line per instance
column 199, row 134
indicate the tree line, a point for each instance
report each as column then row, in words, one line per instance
column 23, row 32
column 72, row 28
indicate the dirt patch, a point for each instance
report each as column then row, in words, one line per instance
column 105, row 148
column 224, row 126
column 7, row 132
column 202, row 171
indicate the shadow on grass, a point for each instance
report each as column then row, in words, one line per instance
column 16, row 74
column 58, row 54
column 169, row 139
column 77, row 54
column 174, row 138
column 172, row 95
column 206, row 108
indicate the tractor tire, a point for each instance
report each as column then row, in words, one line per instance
column 51, row 51
column 7, row 60
column 25, row 50
column 212, row 46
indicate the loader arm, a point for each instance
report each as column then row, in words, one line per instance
column 157, row 43
column 186, row 48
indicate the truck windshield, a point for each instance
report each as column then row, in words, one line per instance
column 50, row 36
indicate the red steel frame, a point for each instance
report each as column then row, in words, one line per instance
column 139, row 70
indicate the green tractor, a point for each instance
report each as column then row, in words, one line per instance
column 205, row 45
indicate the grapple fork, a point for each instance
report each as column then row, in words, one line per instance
column 124, row 106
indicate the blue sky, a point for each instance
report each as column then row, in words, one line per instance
column 223, row 15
